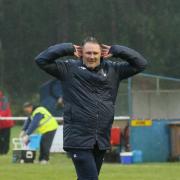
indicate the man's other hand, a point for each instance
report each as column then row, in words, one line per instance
column 78, row 51
column 105, row 51
column 25, row 139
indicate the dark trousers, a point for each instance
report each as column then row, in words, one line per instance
column 4, row 140
column 45, row 145
column 87, row 162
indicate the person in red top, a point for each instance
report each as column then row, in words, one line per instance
column 5, row 125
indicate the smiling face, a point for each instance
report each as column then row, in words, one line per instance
column 91, row 54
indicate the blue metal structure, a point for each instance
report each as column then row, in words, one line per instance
column 153, row 141
column 160, row 77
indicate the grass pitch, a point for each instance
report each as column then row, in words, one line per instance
column 61, row 168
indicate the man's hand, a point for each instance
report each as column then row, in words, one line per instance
column 78, row 51
column 25, row 139
column 105, row 51
column 60, row 103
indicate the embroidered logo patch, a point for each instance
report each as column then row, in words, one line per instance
column 82, row 67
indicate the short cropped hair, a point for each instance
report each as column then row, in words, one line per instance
column 90, row 39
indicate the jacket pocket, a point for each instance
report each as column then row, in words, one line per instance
column 79, row 116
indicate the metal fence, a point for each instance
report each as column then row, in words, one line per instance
column 155, row 97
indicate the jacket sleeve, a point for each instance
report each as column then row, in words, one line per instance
column 46, row 60
column 26, row 124
column 34, row 123
column 134, row 64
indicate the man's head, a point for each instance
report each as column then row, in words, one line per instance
column 91, row 52
column 28, row 108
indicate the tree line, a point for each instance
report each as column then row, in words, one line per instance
column 27, row 27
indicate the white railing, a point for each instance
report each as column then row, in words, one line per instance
column 23, row 118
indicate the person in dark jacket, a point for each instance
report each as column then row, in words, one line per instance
column 90, row 85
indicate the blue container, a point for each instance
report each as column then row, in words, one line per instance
column 137, row 156
column 153, row 151
column 34, row 142
column 126, row 157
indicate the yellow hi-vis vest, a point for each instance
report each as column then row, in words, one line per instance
column 47, row 123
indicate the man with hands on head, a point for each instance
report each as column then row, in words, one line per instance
column 90, row 85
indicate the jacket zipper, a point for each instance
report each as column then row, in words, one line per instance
column 97, row 120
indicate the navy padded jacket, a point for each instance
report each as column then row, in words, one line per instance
column 89, row 95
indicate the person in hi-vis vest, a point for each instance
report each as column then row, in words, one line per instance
column 41, row 120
